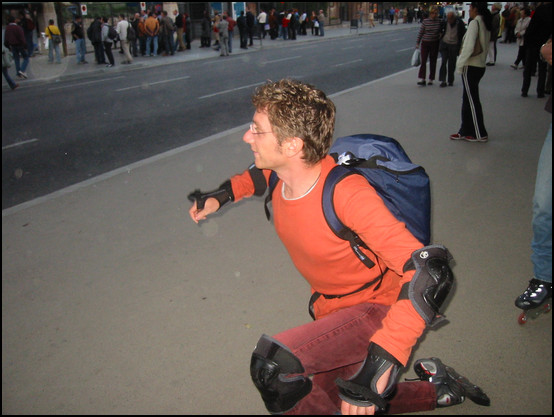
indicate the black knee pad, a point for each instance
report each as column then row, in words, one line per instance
column 274, row 370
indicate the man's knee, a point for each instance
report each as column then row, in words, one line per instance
column 276, row 373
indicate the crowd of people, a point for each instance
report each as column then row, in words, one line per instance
column 469, row 51
column 151, row 34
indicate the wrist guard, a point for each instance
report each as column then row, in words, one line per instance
column 223, row 195
column 361, row 389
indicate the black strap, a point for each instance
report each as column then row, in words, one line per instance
column 272, row 183
column 258, row 179
column 315, row 296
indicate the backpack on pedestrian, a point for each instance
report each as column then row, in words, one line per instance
column 131, row 34
column 7, row 57
column 403, row 185
column 112, row 33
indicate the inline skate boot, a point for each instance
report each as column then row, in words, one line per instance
column 452, row 388
column 535, row 300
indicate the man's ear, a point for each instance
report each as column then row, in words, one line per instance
column 293, row 146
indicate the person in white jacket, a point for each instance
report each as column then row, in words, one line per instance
column 521, row 27
column 122, row 27
column 472, row 65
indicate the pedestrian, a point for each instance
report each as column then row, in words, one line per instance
column 223, row 28
column 215, row 30
column 293, row 22
column 133, row 44
column 495, row 33
column 262, row 21
column 504, row 23
column 241, row 24
column 78, row 35
column 188, row 30
column 519, row 31
column 231, row 29
column 303, row 23
column 167, row 30
column 540, row 286
column 273, row 25
column 371, row 17
column 53, row 33
column 250, row 26
column 321, row 20
column 152, row 29
column 472, row 67
column 206, row 36
column 284, row 25
column 538, row 32
column 94, row 34
column 361, row 16
column 107, row 42
column 142, row 35
column 348, row 359
column 428, row 39
column 28, row 25
column 7, row 62
column 14, row 40
column 313, row 20
column 453, row 31
column 180, row 25
column 123, row 29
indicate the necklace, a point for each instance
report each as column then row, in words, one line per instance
column 303, row 195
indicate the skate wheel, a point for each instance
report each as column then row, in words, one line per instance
column 522, row 319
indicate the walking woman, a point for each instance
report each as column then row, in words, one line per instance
column 429, row 38
column 471, row 64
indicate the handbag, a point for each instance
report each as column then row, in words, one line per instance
column 416, row 58
column 56, row 39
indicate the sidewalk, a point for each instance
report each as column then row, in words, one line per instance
column 115, row 302
column 40, row 70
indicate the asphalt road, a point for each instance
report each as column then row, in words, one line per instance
column 73, row 130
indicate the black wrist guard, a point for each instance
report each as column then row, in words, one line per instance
column 223, row 195
column 361, row 389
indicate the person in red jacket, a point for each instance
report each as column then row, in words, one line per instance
column 367, row 320
column 14, row 40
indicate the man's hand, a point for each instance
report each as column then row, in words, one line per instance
column 210, row 206
column 355, row 410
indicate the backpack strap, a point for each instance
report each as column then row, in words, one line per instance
column 272, row 183
column 337, row 174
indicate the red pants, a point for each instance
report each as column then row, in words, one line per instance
column 335, row 346
column 431, row 50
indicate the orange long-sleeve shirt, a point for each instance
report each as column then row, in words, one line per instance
column 328, row 262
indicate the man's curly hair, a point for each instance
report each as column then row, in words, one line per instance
column 297, row 109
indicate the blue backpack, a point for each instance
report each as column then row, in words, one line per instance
column 403, row 186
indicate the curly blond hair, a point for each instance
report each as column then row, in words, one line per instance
column 297, row 109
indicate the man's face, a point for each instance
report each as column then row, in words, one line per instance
column 263, row 142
